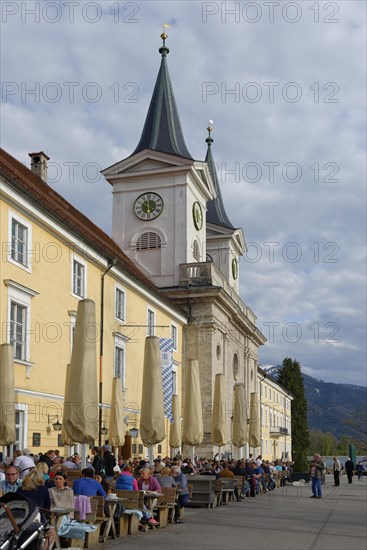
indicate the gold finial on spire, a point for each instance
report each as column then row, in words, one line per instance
column 210, row 126
column 164, row 35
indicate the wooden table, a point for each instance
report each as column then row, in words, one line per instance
column 111, row 504
column 150, row 497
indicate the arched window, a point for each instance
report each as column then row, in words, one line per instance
column 196, row 251
column 148, row 241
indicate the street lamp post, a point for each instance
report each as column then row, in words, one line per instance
column 111, row 263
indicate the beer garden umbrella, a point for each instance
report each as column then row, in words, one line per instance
column 152, row 423
column 254, row 423
column 175, row 427
column 219, row 419
column 193, row 430
column 116, row 432
column 239, row 420
column 80, row 418
column 7, row 395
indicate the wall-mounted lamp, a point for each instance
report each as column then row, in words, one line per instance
column 134, row 432
column 56, row 426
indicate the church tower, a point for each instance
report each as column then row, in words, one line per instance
column 160, row 192
column 169, row 217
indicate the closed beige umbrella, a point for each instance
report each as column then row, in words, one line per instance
column 65, row 438
column 152, row 425
column 254, row 424
column 193, row 430
column 80, row 419
column 175, row 427
column 239, row 421
column 7, row 395
column 116, row 432
column 219, row 419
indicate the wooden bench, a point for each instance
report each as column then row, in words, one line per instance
column 128, row 524
column 203, row 491
column 91, row 539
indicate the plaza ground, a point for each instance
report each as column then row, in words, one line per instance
column 285, row 519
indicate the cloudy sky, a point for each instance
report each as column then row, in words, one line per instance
column 284, row 83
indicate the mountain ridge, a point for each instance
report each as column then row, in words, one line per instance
column 329, row 404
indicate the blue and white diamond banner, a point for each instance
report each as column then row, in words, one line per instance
column 166, row 348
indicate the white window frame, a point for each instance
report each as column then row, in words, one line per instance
column 174, row 336
column 22, row 296
column 120, row 344
column 150, row 326
column 174, row 378
column 119, row 289
column 77, row 259
column 72, row 323
column 27, row 266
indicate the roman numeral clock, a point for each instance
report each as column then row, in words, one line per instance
column 148, row 206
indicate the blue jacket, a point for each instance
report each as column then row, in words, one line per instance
column 88, row 487
column 125, row 483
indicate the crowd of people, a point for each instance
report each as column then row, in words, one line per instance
column 44, row 478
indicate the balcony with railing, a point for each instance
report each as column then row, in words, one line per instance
column 206, row 274
column 277, row 431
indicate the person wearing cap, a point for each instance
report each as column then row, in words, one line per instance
column 24, row 462
column 317, row 468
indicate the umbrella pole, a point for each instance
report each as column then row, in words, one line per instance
column 84, row 455
column 192, row 453
column 151, row 455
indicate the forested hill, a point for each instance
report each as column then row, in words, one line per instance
column 329, row 404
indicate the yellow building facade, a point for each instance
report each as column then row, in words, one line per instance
column 275, row 418
column 51, row 257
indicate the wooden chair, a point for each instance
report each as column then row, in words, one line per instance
column 104, row 521
column 165, row 508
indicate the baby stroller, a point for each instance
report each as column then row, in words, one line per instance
column 19, row 528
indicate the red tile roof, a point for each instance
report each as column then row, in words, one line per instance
column 51, row 202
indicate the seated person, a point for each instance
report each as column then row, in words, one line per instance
column 88, row 486
column 147, row 482
column 33, row 487
column 61, row 495
column 166, row 479
column 12, row 480
column 181, row 481
column 126, row 481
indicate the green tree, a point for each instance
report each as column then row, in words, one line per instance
column 290, row 377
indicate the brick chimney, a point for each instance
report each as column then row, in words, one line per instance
column 39, row 164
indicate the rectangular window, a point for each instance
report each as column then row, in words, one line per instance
column 19, row 242
column 174, row 382
column 18, row 330
column 141, row 449
column 133, row 448
column 174, row 336
column 78, row 279
column 119, row 368
column 150, row 322
column 159, row 449
column 120, row 304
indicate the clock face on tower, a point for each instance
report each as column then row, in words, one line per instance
column 197, row 215
column 148, row 206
